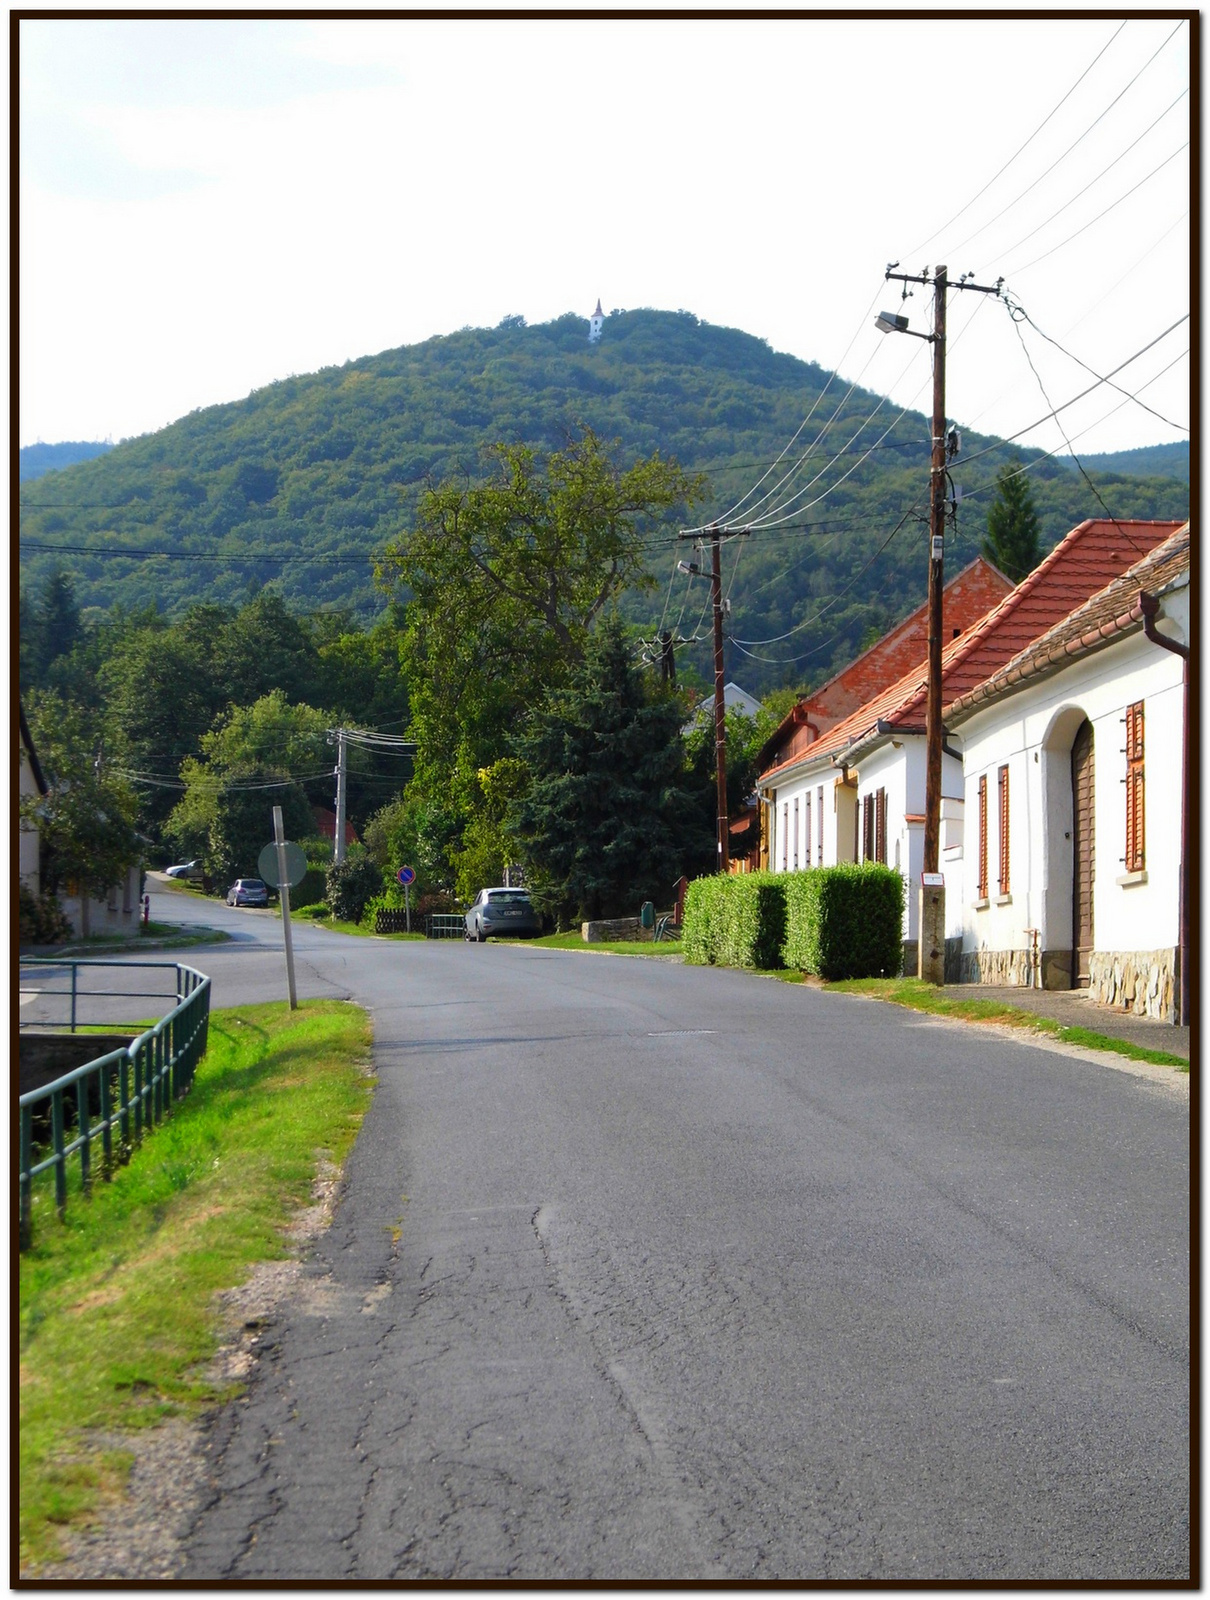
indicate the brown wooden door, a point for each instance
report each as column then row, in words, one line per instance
column 1083, row 840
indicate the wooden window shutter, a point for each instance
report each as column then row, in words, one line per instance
column 981, row 889
column 796, row 833
column 819, row 827
column 867, row 827
column 785, row 835
column 880, row 826
column 806, row 832
column 1136, row 855
column 1004, row 861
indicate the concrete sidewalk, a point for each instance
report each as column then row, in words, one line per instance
column 1074, row 1009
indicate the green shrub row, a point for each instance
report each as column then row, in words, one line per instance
column 835, row 922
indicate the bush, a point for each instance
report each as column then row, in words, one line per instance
column 845, row 921
column 351, row 885
column 836, row 922
column 736, row 921
column 311, row 891
column 40, row 918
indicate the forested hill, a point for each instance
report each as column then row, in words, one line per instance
column 35, row 459
column 298, row 485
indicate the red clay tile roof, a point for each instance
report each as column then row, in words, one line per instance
column 1110, row 612
column 1083, row 562
column 975, row 590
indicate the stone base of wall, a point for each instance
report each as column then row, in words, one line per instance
column 614, row 928
column 1142, row 981
column 1005, row 967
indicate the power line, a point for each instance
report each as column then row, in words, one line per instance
column 1021, row 150
column 1060, row 159
column 1062, row 245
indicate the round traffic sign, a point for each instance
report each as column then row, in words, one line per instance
column 406, row 875
column 296, row 864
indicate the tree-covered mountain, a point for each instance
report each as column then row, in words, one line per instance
column 35, row 459
column 1149, row 461
column 302, row 483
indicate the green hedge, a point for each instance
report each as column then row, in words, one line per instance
column 845, row 921
column 836, row 922
column 735, row 921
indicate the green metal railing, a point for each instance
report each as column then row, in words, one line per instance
column 133, row 1090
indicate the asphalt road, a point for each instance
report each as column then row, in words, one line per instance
column 644, row 1271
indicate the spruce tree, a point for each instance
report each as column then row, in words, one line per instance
column 1013, row 541
column 602, row 822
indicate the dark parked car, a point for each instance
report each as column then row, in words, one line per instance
column 497, row 911
column 247, row 892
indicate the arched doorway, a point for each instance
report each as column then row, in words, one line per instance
column 1083, row 805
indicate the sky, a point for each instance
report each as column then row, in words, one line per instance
column 207, row 206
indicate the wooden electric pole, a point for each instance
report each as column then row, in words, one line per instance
column 720, row 708
column 931, row 929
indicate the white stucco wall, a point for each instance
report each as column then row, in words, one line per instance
column 1031, row 731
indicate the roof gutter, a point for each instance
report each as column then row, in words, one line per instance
column 1149, row 605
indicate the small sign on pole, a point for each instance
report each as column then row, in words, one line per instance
column 407, row 877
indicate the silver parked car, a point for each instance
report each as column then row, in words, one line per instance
column 498, row 911
column 185, row 869
column 248, row 892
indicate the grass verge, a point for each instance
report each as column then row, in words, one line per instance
column 614, row 947
column 921, row 996
column 117, row 1315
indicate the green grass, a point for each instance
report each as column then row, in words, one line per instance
column 921, row 996
column 613, row 947
column 117, row 1313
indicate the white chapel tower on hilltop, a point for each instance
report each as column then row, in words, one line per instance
column 595, row 323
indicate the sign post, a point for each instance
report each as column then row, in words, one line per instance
column 281, row 864
column 407, row 877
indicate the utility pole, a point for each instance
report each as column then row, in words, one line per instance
column 341, row 777
column 720, row 708
column 931, row 927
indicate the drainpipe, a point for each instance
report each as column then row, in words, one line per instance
column 1150, row 607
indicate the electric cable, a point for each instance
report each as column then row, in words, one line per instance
column 998, row 175
column 1062, row 245
column 1060, row 159
column 1094, row 181
column 836, row 598
column 1018, row 313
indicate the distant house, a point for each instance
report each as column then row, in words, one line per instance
column 325, row 825
column 857, row 792
column 31, row 781
column 114, row 910
column 1070, row 871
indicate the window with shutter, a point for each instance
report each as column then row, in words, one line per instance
column 819, row 826
column 880, row 826
column 785, row 835
column 796, row 833
column 1136, row 854
column 806, row 832
column 981, row 888
column 867, row 828
column 1004, row 861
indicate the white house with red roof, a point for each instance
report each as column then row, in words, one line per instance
column 857, row 792
column 1074, row 752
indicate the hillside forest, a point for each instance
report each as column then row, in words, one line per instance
column 461, row 542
